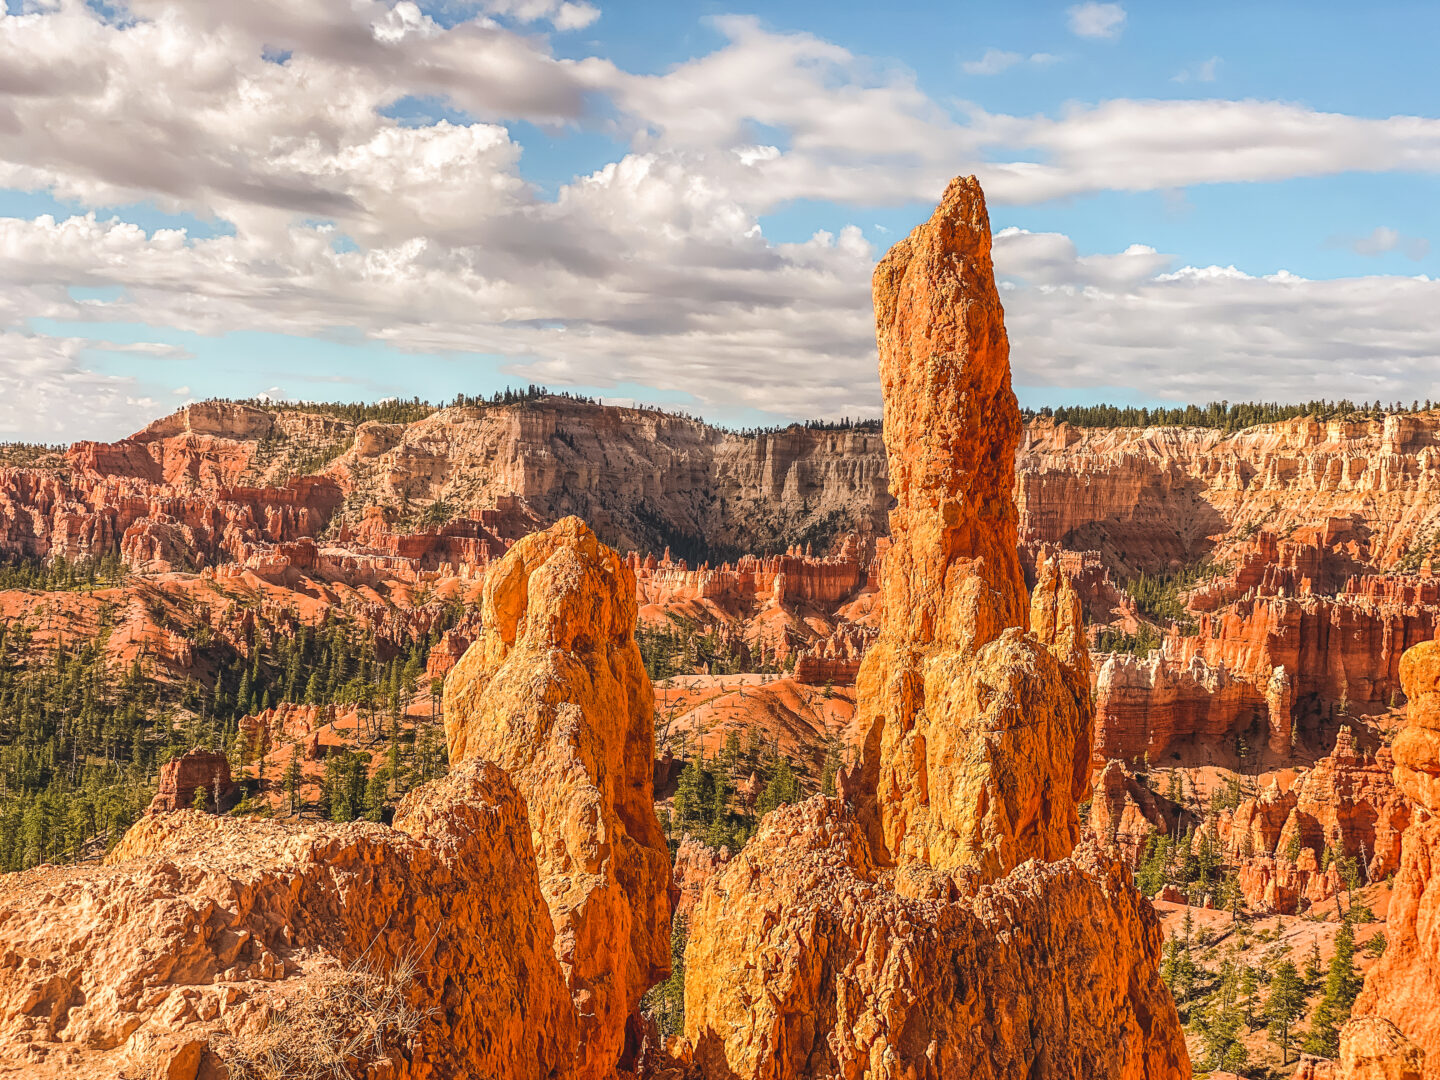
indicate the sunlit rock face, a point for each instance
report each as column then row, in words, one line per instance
column 554, row 691
column 937, row 920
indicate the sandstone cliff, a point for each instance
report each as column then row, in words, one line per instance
column 1147, row 498
column 642, row 478
column 554, row 692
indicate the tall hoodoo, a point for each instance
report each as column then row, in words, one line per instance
column 1404, row 985
column 907, row 941
column 555, row 692
column 952, row 427
column 977, row 731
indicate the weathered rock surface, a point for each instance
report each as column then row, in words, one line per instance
column 1150, row 498
column 202, row 775
column 643, row 479
column 1347, row 802
column 912, row 939
column 554, row 691
column 806, row 960
column 972, row 723
column 1124, row 813
column 1417, row 747
column 1404, row 985
column 202, row 925
column 1370, row 1049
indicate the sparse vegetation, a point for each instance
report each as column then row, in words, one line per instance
column 62, row 575
column 338, row 1022
column 1144, row 641
column 1162, row 596
column 685, row 647
column 665, row 1002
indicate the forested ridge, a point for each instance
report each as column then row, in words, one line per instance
column 81, row 738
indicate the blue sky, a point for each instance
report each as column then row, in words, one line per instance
column 682, row 203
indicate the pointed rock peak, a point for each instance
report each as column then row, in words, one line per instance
column 952, row 694
column 952, row 426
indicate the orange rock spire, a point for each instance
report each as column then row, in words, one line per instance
column 809, row 953
column 556, row 694
column 952, row 427
column 978, row 733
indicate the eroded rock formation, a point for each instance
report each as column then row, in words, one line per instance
column 808, row 960
column 972, row 723
column 1347, row 803
column 1370, row 1049
column 199, row 776
column 554, row 691
column 1404, row 985
column 200, row 926
column 902, row 940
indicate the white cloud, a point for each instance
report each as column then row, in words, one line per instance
column 1383, row 239
column 653, row 268
column 1094, row 20
column 1201, row 71
column 1204, row 333
column 994, row 61
column 46, row 392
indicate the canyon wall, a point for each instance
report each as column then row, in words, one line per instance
column 1147, row 498
column 643, row 479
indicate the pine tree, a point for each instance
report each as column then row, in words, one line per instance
column 1342, row 985
column 292, row 778
column 1285, row 1005
column 783, row 788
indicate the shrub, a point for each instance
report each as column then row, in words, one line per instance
column 341, row 1017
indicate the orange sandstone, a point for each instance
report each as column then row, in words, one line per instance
column 912, row 938
column 554, row 691
column 972, row 724
column 202, row 925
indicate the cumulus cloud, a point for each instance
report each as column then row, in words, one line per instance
column 1094, row 20
column 652, row 269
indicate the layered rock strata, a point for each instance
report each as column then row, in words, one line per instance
column 554, row 691
column 1152, row 498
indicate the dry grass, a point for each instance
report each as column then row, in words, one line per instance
column 339, row 1022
